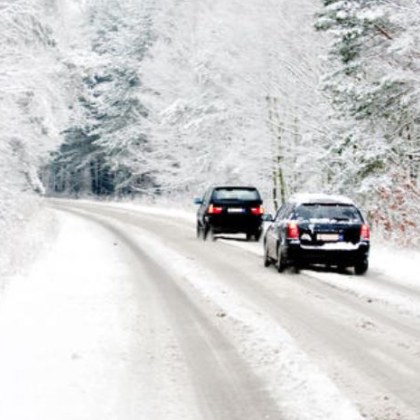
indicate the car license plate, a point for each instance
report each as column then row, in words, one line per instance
column 235, row 210
column 328, row 237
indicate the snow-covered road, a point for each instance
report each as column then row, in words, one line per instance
column 129, row 316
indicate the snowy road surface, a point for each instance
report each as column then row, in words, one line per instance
column 127, row 316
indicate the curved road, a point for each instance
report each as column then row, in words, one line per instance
column 227, row 314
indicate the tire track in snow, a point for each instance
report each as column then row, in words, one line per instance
column 226, row 388
column 302, row 391
column 381, row 368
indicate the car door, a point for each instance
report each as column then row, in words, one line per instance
column 272, row 233
column 203, row 207
column 278, row 228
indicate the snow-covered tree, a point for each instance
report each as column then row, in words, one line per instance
column 37, row 91
column 104, row 150
column 169, row 96
column 374, row 87
column 229, row 85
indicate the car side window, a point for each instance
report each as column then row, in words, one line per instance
column 208, row 195
column 289, row 212
column 284, row 212
column 279, row 214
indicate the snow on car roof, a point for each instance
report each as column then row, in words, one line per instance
column 234, row 187
column 320, row 198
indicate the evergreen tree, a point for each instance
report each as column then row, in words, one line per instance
column 110, row 143
column 372, row 88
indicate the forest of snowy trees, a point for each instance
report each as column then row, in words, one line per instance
column 165, row 97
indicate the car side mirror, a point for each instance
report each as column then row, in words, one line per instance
column 268, row 217
column 198, row 201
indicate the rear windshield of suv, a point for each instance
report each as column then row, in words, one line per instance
column 338, row 212
column 239, row 194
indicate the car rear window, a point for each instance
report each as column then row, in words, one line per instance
column 339, row 212
column 240, row 194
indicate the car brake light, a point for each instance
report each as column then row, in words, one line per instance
column 292, row 230
column 214, row 210
column 257, row 211
column 364, row 232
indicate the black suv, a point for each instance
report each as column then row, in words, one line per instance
column 230, row 209
column 318, row 229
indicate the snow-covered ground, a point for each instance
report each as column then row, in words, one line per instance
column 86, row 335
column 65, row 330
column 25, row 227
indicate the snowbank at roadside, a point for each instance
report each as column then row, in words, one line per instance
column 71, row 328
column 403, row 264
column 26, row 227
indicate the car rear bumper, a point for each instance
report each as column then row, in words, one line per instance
column 236, row 224
column 347, row 254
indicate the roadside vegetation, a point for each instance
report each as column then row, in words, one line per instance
column 155, row 98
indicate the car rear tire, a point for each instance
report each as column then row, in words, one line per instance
column 341, row 268
column 198, row 230
column 280, row 265
column 253, row 235
column 361, row 267
column 205, row 232
column 212, row 235
column 267, row 259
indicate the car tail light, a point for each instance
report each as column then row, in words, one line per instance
column 364, row 232
column 292, row 230
column 214, row 210
column 257, row 211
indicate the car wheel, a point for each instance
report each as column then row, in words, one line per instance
column 198, row 230
column 341, row 268
column 267, row 260
column 212, row 235
column 361, row 267
column 248, row 236
column 280, row 260
column 257, row 235
column 205, row 232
